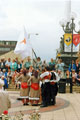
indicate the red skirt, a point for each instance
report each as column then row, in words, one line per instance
column 24, row 85
column 35, row 86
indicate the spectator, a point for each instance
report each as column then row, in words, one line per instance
column 77, row 66
column 44, row 64
column 28, row 63
column 60, row 67
column 5, row 102
column 16, row 60
column 5, row 82
column 5, row 73
column 2, row 64
column 72, row 66
column 39, row 63
column 68, row 77
column 17, row 83
column 19, row 66
column 13, row 66
column 9, row 76
column 8, row 64
column 78, row 79
column 74, row 76
column 22, row 63
column 14, row 76
column 52, row 64
column 30, row 70
column 1, row 73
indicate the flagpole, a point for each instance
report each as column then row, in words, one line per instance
column 32, row 57
column 33, row 52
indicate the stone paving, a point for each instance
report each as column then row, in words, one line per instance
column 67, row 107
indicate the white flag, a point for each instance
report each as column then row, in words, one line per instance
column 23, row 46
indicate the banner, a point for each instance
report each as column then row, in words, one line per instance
column 67, row 42
column 76, row 39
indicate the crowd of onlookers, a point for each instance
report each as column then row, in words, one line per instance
column 10, row 69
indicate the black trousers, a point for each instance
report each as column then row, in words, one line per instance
column 45, row 93
column 53, row 92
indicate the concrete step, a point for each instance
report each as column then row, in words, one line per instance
column 75, row 88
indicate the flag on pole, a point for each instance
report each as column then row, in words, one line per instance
column 23, row 46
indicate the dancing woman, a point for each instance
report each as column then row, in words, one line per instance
column 34, row 89
column 24, row 92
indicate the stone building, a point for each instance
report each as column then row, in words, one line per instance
column 7, row 46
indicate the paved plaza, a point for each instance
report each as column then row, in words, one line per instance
column 67, row 107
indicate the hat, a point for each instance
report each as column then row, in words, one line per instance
column 1, row 82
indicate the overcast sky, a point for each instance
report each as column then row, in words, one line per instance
column 38, row 16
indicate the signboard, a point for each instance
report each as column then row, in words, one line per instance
column 68, row 42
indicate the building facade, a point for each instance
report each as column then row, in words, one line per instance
column 7, row 46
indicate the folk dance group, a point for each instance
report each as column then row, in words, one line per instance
column 31, row 86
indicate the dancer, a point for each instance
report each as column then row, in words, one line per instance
column 34, row 89
column 53, row 86
column 24, row 93
column 45, row 87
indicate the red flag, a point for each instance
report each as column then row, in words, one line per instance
column 76, row 39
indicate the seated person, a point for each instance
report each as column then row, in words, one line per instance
column 5, row 102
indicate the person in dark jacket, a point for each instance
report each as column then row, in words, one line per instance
column 2, row 64
column 53, row 86
column 45, row 87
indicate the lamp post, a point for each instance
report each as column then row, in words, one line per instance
column 69, row 27
column 71, row 90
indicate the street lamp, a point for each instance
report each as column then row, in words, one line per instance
column 69, row 27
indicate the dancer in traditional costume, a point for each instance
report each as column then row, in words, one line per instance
column 53, row 86
column 25, row 88
column 34, row 89
column 45, row 87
